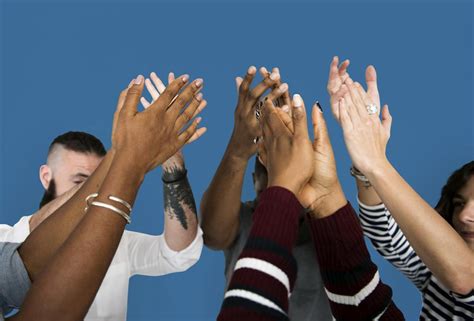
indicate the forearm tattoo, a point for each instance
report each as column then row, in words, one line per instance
column 178, row 195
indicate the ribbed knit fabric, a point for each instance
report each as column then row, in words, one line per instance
column 266, row 270
column 351, row 279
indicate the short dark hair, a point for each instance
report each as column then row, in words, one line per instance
column 80, row 142
column 455, row 182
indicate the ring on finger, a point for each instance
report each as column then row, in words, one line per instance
column 371, row 109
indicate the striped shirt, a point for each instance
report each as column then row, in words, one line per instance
column 439, row 303
column 264, row 275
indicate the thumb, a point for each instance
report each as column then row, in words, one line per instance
column 299, row 116
column 371, row 81
column 133, row 96
column 386, row 119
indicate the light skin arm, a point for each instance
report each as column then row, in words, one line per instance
column 144, row 141
column 439, row 246
column 221, row 202
column 338, row 75
column 181, row 223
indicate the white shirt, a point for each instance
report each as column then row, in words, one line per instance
column 137, row 254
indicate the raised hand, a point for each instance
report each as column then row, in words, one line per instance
column 150, row 137
column 365, row 135
column 337, row 76
column 287, row 155
column 246, row 127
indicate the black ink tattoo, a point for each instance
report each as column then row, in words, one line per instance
column 177, row 195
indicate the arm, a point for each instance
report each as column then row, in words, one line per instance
column 448, row 257
column 181, row 223
column 144, row 140
column 51, row 234
column 351, row 280
column 221, row 202
column 265, row 273
column 43, row 213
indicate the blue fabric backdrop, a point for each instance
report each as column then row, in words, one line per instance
column 64, row 64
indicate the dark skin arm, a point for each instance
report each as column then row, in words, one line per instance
column 221, row 202
column 144, row 140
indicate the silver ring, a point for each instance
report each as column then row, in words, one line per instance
column 258, row 110
column 255, row 140
column 371, row 109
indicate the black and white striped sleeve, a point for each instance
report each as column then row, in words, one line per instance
column 390, row 242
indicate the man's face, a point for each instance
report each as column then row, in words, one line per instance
column 463, row 214
column 67, row 169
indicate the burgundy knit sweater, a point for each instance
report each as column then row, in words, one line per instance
column 265, row 273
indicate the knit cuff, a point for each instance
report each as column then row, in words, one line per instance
column 276, row 217
column 338, row 239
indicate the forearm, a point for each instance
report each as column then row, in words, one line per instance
column 180, row 208
column 359, row 294
column 221, row 202
column 439, row 246
column 367, row 194
column 71, row 280
column 268, row 249
column 44, row 212
column 51, row 234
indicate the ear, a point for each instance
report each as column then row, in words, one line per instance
column 45, row 175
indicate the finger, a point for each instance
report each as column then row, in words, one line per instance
column 151, row 89
column 284, row 114
column 372, row 88
column 168, row 96
column 238, row 82
column 299, row 117
column 333, row 69
column 347, row 104
column 319, row 124
column 158, row 83
column 186, row 96
column 366, row 99
column 386, row 119
column 199, row 132
column 277, row 93
column 245, row 85
column 262, row 152
column 263, row 72
column 346, row 121
column 120, row 103
column 200, row 108
column 133, row 96
column 358, row 103
column 170, row 77
column 144, row 102
column 189, row 132
column 261, row 88
column 189, row 112
column 343, row 67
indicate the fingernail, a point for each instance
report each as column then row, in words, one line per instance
column 319, row 106
column 131, row 83
column 185, row 78
column 153, row 74
column 251, row 70
column 285, row 108
column 198, row 120
column 297, row 101
column 199, row 97
column 198, row 82
column 139, row 80
column 283, row 87
column 273, row 76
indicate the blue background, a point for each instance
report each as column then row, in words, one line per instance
column 64, row 64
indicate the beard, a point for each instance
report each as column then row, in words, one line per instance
column 49, row 194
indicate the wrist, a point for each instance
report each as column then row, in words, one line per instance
column 290, row 186
column 242, row 151
column 123, row 165
column 329, row 203
column 377, row 169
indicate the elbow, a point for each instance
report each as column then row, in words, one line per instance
column 216, row 243
column 463, row 286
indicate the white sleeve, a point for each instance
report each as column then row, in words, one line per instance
column 16, row 233
column 150, row 255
